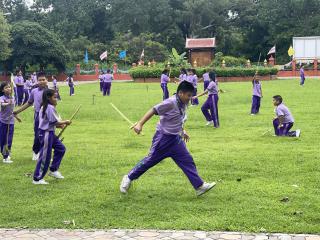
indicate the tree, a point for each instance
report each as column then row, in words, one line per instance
column 34, row 44
column 5, row 38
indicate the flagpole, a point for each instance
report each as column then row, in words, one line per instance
column 275, row 54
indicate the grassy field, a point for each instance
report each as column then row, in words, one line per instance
column 101, row 149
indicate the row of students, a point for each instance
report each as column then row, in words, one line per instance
column 106, row 82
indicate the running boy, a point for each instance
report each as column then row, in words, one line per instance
column 283, row 121
column 168, row 140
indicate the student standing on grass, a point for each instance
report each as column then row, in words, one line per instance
column 192, row 78
column 48, row 121
column 169, row 140
column 13, row 84
column 210, row 107
column 206, row 79
column 302, row 76
column 7, row 103
column 107, row 81
column 164, row 83
column 283, row 121
column 27, row 89
column 19, row 81
column 256, row 96
column 34, row 79
column 35, row 99
column 101, row 80
column 55, row 87
column 183, row 75
column 70, row 84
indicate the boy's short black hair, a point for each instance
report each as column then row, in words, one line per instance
column 41, row 74
column 278, row 98
column 165, row 71
column 185, row 87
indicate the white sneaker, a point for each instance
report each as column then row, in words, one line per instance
column 125, row 184
column 35, row 156
column 209, row 123
column 40, row 182
column 56, row 174
column 7, row 160
column 298, row 132
column 205, row 188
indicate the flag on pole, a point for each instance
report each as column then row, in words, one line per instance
column 142, row 55
column 290, row 51
column 104, row 55
column 86, row 56
column 123, row 54
column 272, row 50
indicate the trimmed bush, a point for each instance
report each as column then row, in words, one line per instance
column 155, row 72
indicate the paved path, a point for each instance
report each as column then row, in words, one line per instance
column 58, row 234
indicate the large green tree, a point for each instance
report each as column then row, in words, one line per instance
column 34, row 44
column 5, row 38
column 241, row 27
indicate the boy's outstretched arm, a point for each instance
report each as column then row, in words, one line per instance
column 24, row 107
column 201, row 94
column 138, row 126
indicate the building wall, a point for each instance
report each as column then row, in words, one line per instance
column 203, row 57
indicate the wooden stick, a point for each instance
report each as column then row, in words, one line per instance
column 124, row 117
column 72, row 117
column 121, row 114
column 269, row 130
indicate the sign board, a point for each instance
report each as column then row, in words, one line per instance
column 306, row 48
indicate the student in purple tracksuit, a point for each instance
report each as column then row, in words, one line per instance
column 35, row 99
column 19, row 81
column 71, row 85
column 48, row 121
column 7, row 103
column 206, row 79
column 27, row 89
column 193, row 78
column 164, row 83
column 256, row 96
column 183, row 75
column 15, row 93
column 101, row 80
column 55, row 86
column 302, row 76
column 211, row 104
column 107, row 81
column 34, row 79
column 283, row 121
column 169, row 140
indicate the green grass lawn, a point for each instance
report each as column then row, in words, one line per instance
column 101, row 149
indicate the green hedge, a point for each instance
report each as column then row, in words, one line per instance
column 154, row 72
